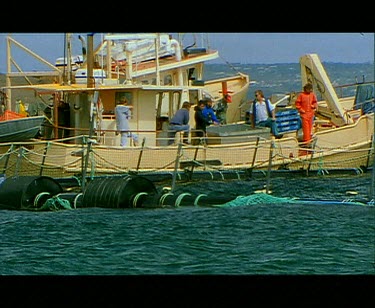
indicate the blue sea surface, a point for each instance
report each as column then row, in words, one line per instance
column 283, row 78
column 246, row 240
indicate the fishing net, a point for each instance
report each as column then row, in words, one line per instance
column 55, row 203
column 263, row 198
column 260, row 198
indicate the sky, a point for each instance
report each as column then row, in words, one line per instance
column 243, row 48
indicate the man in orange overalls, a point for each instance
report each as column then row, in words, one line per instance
column 306, row 105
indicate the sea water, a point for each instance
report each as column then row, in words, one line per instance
column 253, row 239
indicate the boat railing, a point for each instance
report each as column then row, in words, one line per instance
column 195, row 137
column 82, row 156
column 348, row 90
column 111, row 136
column 344, row 91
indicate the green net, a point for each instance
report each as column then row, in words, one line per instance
column 55, row 203
column 261, row 198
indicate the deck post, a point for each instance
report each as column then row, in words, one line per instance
column 312, row 155
column 195, row 158
column 19, row 159
column 7, row 158
column 255, row 152
column 141, row 153
column 372, row 184
column 176, row 166
column 270, row 165
column 44, row 158
column 86, row 162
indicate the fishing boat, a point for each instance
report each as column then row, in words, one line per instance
column 156, row 89
column 15, row 127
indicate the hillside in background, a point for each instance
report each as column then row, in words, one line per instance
column 271, row 78
column 285, row 78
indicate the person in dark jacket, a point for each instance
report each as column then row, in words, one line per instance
column 63, row 119
column 47, row 125
column 201, row 124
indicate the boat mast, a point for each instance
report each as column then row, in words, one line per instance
column 90, row 60
column 84, row 50
column 157, row 44
column 313, row 71
column 69, row 58
column 7, row 79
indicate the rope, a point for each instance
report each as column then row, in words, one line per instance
column 229, row 64
column 76, row 199
column 36, row 200
column 163, row 197
column 137, row 196
column 197, row 199
column 32, row 159
column 179, row 199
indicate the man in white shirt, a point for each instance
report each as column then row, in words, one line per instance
column 262, row 113
column 123, row 114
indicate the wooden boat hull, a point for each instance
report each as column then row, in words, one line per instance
column 59, row 159
column 238, row 87
column 20, row 129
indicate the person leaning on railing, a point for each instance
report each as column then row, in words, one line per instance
column 47, row 125
column 201, row 124
column 179, row 123
column 63, row 119
column 209, row 113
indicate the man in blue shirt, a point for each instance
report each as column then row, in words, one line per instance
column 209, row 113
column 179, row 123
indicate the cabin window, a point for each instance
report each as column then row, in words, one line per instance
column 162, row 104
column 168, row 80
column 193, row 96
column 167, row 103
column 120, row 95
column 191, row 73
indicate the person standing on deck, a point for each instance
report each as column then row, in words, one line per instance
column 179, row 123
column 209, row 113
column 22, row 108
column 221, row 108
column 47, row 125
column 63, row 119
column 262, row 113
column 306, row 105
column 123, row 114
column 200, row 123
